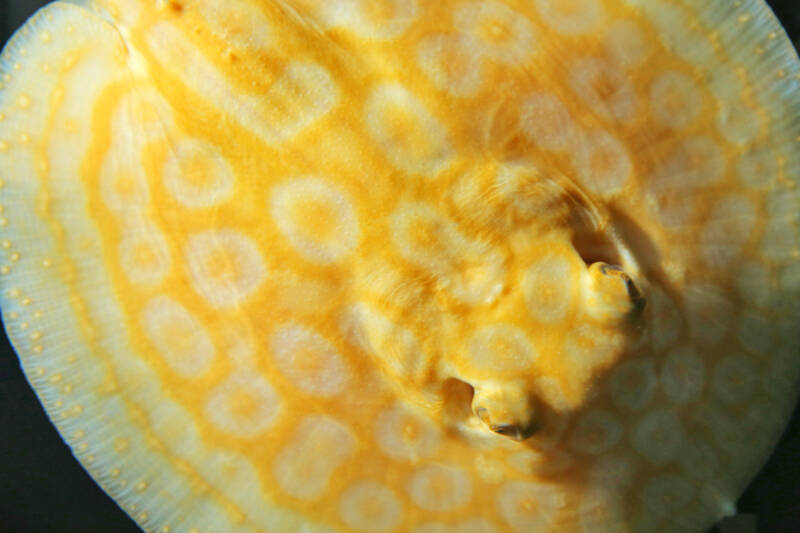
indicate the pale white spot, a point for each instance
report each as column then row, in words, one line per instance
column 144, row 255
column 602, row 162
column 673, row 30
column 571, row 17
column 709, row 312
column 244, row 405
column 309, row 361
column 196, row 174
column 601, row 510
column 667, row 493
column 590, row 347
column 411, row 137
column 753, row 283
column 238, row 471
column 541, row 463
column 440, row 488
column 141, row 116
column 123, row 182
column 699, row 460
column 226, row 267
column 178, row 336
column 318, row 447
column 782, row 205
column 489, row 470
column 744, row 433
column 665, row 319
column 786, row 326
column 659, row 437
column 738, row 123
column 371, row 19
column 317, row 528
column 127, row 17
column 779, row 240
column 171, row 423
column 370, row 507
column 405, row 435
column 756, row 333
column 452, row 63
column 671, row 207
column 238, row 23
column 596, row 432
column 605, row 88
column 475, row 525
column 551, row 392
column 726, row 86
column 758, row 168
column 549, row 288
column 682, row 375
column 675, row 100
column 727, row 230
column 695, row 162
column 500, row 348
column 633, row 383
column 626, row 44
column 715, row 421
column 613, row 471
column 780, row 377
column 735, row 379
column 304, row 93
column 479, row 274
column 236, row 341
column 545, row 121
column 789, row 277
column 528, row 506
column 524, row 187
column 468, row 193
column 316, row 217
column 503, row 34
column 473, row 271
column 390, row 343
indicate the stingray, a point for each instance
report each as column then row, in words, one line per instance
column 351, row 266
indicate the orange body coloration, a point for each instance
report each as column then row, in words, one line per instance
column 490, row 266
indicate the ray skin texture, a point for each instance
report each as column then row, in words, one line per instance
column 400, row 266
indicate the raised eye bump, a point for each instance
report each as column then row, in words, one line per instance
column 506, row 409
column 636, row 297
column 611, row 294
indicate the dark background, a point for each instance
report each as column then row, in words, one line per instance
column 43, row 489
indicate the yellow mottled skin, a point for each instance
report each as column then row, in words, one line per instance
column 365, row 266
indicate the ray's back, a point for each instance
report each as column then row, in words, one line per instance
column 477, row 266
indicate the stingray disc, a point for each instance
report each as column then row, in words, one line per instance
column 355, row 266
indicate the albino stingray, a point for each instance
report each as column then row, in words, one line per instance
column 383, row 266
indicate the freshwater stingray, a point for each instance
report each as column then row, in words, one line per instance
column 390, row 266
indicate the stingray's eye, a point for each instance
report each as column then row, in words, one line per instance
column 505, row 409
column 611, row 293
